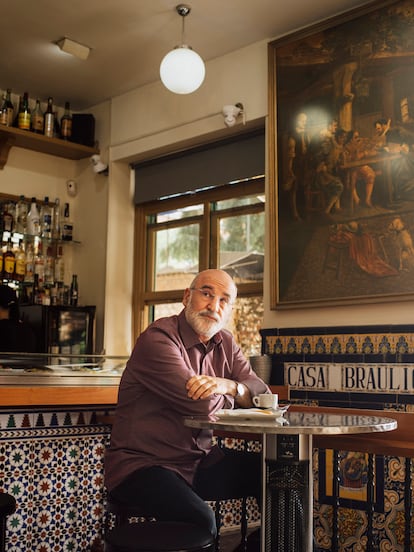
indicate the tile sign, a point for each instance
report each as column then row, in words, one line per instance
column 346, row 377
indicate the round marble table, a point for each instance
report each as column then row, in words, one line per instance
column 287, row 505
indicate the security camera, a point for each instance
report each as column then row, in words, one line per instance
column 97, row 165
column 71, row 187
column 231, row 112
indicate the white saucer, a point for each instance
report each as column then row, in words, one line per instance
column 251, row 413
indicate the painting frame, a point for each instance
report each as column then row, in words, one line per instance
column 297, row 276
column 354, row 497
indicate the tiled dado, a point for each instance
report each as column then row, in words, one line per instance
column 366, row 367
column 51, row 461
column 371, row 340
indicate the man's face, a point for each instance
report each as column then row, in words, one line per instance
column 301, row 121
column 209, row 304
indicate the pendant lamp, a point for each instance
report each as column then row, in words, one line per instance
column 182, row 70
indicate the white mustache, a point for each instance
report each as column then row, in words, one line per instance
column 209, row 314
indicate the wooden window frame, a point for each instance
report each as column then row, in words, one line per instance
column 144, row 298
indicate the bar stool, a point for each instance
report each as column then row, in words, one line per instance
column 158, row 536
column 7, row 507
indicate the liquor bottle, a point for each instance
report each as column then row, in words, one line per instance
column 49, row 268
column 37, row 118
column 9, row 261
column 16, row 113
column 24, row 115
column 56, row 220
column 59, row 267
column 4, row 114
column 22, row 209
column 33, row 219
column 66, row 123
column 20, row 266
column 39, row 266
column 74, row 291
column 8, row 216
column 67, row 226
column 49, row 119
column 9, row 107
column 29, row 270
column 37, row 291
column 46, row 219
column 56, row 126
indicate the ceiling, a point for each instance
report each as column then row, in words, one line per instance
column 128, row 39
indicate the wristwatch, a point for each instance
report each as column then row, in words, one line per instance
column 241, row 390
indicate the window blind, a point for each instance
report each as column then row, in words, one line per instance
column 200, row 168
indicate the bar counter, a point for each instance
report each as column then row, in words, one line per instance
column 34, row 380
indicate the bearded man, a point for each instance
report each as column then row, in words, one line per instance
column 181, row 366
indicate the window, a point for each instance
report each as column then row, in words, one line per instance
column 219, row 228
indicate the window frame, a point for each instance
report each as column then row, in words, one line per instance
column 143, row 261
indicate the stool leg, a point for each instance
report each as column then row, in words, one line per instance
column 217, row 514
column 243, row 524
column 3, row 534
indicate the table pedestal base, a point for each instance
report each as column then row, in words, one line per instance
column 287, row 506
column 287, row 494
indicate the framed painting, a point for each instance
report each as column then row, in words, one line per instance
column 353, row 478
column 341, row 159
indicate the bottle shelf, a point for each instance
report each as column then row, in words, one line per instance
column 10, row 136
column 16, row 236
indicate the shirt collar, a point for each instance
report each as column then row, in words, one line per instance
column 189, row 336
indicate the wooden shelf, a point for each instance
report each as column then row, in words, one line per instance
column 10, row 136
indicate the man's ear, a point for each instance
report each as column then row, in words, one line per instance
column 186, row 296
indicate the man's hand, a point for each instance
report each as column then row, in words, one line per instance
column 201, row 387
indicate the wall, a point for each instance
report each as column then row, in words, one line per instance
column 151, row 120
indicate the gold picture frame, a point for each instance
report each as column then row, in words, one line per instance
column 341, row 159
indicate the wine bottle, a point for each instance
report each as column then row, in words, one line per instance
column 4, row 114
column 24, row 115
column 16, row 113
column 49, row 119
column 37, row 118
column 7, row 110
column 66, row 123
column 33, row 219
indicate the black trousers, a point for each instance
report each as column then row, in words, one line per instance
column 163, row 494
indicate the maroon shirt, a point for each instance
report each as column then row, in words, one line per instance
column 152, row 400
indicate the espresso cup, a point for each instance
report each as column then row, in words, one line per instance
column 266, row 400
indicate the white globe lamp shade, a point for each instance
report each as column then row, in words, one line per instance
column 182, row 70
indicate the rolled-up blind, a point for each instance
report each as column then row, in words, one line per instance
column 200, row 168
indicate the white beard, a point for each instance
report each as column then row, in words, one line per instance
column 202, row 323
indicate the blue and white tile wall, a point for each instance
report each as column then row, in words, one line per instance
column 364, row 367
column 51, row 461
